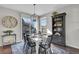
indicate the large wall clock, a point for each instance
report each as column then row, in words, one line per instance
column 9, row 21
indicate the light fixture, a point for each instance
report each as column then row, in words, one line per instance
column 34, row 15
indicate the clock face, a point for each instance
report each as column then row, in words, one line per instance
column 9, row 21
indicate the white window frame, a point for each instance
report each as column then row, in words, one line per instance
column 44, row 26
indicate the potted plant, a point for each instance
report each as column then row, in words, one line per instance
column 55, row 13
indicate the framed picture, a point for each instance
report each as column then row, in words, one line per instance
column 8, row 39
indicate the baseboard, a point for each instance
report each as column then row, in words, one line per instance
column 67, row 46
column 72, row 47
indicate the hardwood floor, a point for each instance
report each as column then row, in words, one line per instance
column 56, row 48
column 6, row 50
column 67, row 49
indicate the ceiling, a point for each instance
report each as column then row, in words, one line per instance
column 41, row 9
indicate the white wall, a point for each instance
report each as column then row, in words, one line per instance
column 17, row 29
column 72, row 24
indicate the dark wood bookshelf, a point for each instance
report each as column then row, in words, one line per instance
column 58, row 29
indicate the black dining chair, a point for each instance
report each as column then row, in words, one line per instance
column 25, row 47
column 45, row 45
column 29, row 43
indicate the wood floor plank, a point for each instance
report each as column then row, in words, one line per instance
column 6, row 50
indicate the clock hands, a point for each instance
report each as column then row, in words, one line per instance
column 10, row 21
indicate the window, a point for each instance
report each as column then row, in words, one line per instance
column 43, row 25
column 29, row 25
column 26, row 22
column 33, row 26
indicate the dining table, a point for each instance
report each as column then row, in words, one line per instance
column 37, row 39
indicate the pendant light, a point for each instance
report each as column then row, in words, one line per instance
column 34, row 15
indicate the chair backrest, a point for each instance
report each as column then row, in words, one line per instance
column 48, row 40
column 26, row 37
column 44, row 39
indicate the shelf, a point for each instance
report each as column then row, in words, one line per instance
column 58, row 26
column 58, row 31
column 57, row 20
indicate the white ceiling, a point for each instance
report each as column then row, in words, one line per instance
column 41, row 9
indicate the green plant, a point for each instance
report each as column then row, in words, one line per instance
column 55, row 13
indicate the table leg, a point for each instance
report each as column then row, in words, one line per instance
column 37, row 47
